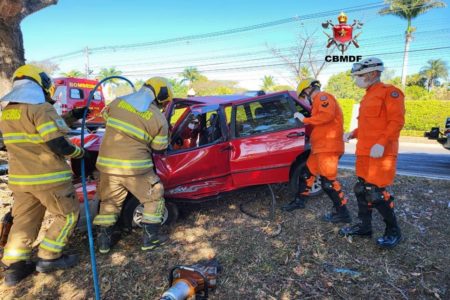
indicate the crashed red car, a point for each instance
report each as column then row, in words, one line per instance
column 223, row 143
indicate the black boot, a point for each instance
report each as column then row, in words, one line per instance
column 49, row 265
column 392, row 235
column 339, row 215
column 391, row 238
column 104, row 239
column 298, row 202
column 152, row 239
column 364, row 228
column 18, row 271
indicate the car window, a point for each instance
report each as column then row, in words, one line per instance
column 263, row 116
column 60, row 94
column 302, row 110
column 76, row 93
column 97, row 96
column 197, row 129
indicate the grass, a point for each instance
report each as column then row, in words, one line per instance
column 261, row 262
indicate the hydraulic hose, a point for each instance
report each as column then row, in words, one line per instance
column 83, row 181
column 271, row 216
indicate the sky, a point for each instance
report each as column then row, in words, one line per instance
column 244, row 56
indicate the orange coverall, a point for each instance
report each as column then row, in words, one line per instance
column 326, row 141
column 381, row 117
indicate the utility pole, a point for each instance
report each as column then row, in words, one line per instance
column 86, row 64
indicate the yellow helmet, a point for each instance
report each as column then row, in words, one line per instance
column 37, row 75
column 306, row 83
column 162, row 89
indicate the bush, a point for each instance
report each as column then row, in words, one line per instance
column 420, row 116
column 347, row 109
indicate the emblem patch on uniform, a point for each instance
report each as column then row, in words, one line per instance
column 61, row 124
column 323, row 98
column 394, row 94
column 325, row 104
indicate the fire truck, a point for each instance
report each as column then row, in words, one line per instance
column 71, row 93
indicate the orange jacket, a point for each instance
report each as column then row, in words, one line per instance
column 381, row 117
column 327, row 120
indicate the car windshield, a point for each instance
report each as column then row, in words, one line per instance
column 265, row 115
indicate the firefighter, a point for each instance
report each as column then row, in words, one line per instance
column 135, row 128
column 326, row 148
column 381, row 117
column 39, row 176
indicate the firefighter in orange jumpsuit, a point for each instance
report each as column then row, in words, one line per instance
column 381, row 117
column 39, row 176
column 135, row 128
column 326, row 148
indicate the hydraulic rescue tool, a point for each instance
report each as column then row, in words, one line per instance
column 195, row 280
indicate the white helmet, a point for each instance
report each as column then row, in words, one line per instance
column 367, row 65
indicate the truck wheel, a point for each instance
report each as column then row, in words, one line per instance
column 295, row 180
column 131, row 216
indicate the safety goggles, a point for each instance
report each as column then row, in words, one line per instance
column 359, row 66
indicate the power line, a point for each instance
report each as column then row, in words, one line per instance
column 372, row 41
column 226, row 32
column 144, row 72
column 357, row 8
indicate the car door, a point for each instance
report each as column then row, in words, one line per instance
column 199, row 168
column 266, row 139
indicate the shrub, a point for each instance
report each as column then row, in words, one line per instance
column 347, row 109
column 420, row 116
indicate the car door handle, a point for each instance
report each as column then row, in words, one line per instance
column 295, row 134
column 226, row 148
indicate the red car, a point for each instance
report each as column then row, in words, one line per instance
column 223, row 143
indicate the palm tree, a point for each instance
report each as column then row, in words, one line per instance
column 268, row 83
column 107, row 72
column 435, row 69
column 190, row 74
column 73, row 73
column 408, row 10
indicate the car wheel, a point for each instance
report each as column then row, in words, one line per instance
column 294, row 181
column 132, row 213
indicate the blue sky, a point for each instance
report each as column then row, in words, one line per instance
column 72, row 25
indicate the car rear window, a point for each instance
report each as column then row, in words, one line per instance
column 264, row 116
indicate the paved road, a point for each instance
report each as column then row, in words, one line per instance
column 422, row 160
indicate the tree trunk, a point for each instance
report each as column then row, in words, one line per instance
column 11, row 52
column 408, row 40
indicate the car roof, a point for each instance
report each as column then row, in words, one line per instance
column 231, row 99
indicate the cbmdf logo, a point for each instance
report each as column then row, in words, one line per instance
column 343, row 37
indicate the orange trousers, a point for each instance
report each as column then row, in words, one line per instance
column 377, row 171
column 324, row 164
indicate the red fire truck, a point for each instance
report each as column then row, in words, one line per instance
column 71, row 93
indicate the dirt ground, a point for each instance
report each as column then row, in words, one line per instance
column 305, row 260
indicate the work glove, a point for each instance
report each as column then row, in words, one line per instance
column 78, row 113
column 84, row 154
column 376, row 151
column 347, row 136
column 299, row 116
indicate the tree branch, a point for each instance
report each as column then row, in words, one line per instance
column 31, row 6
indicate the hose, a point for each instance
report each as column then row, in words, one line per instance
column 83, row 182
column 254, row 215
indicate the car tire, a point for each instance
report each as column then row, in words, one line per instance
column 132, row 210
column 295, row 180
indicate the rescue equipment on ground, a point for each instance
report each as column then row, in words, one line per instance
column 195, row 280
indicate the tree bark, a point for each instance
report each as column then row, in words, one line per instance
column 408, row 39
column 11, row 53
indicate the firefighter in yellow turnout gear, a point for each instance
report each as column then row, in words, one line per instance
column 39, row 176
column 135, row 128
